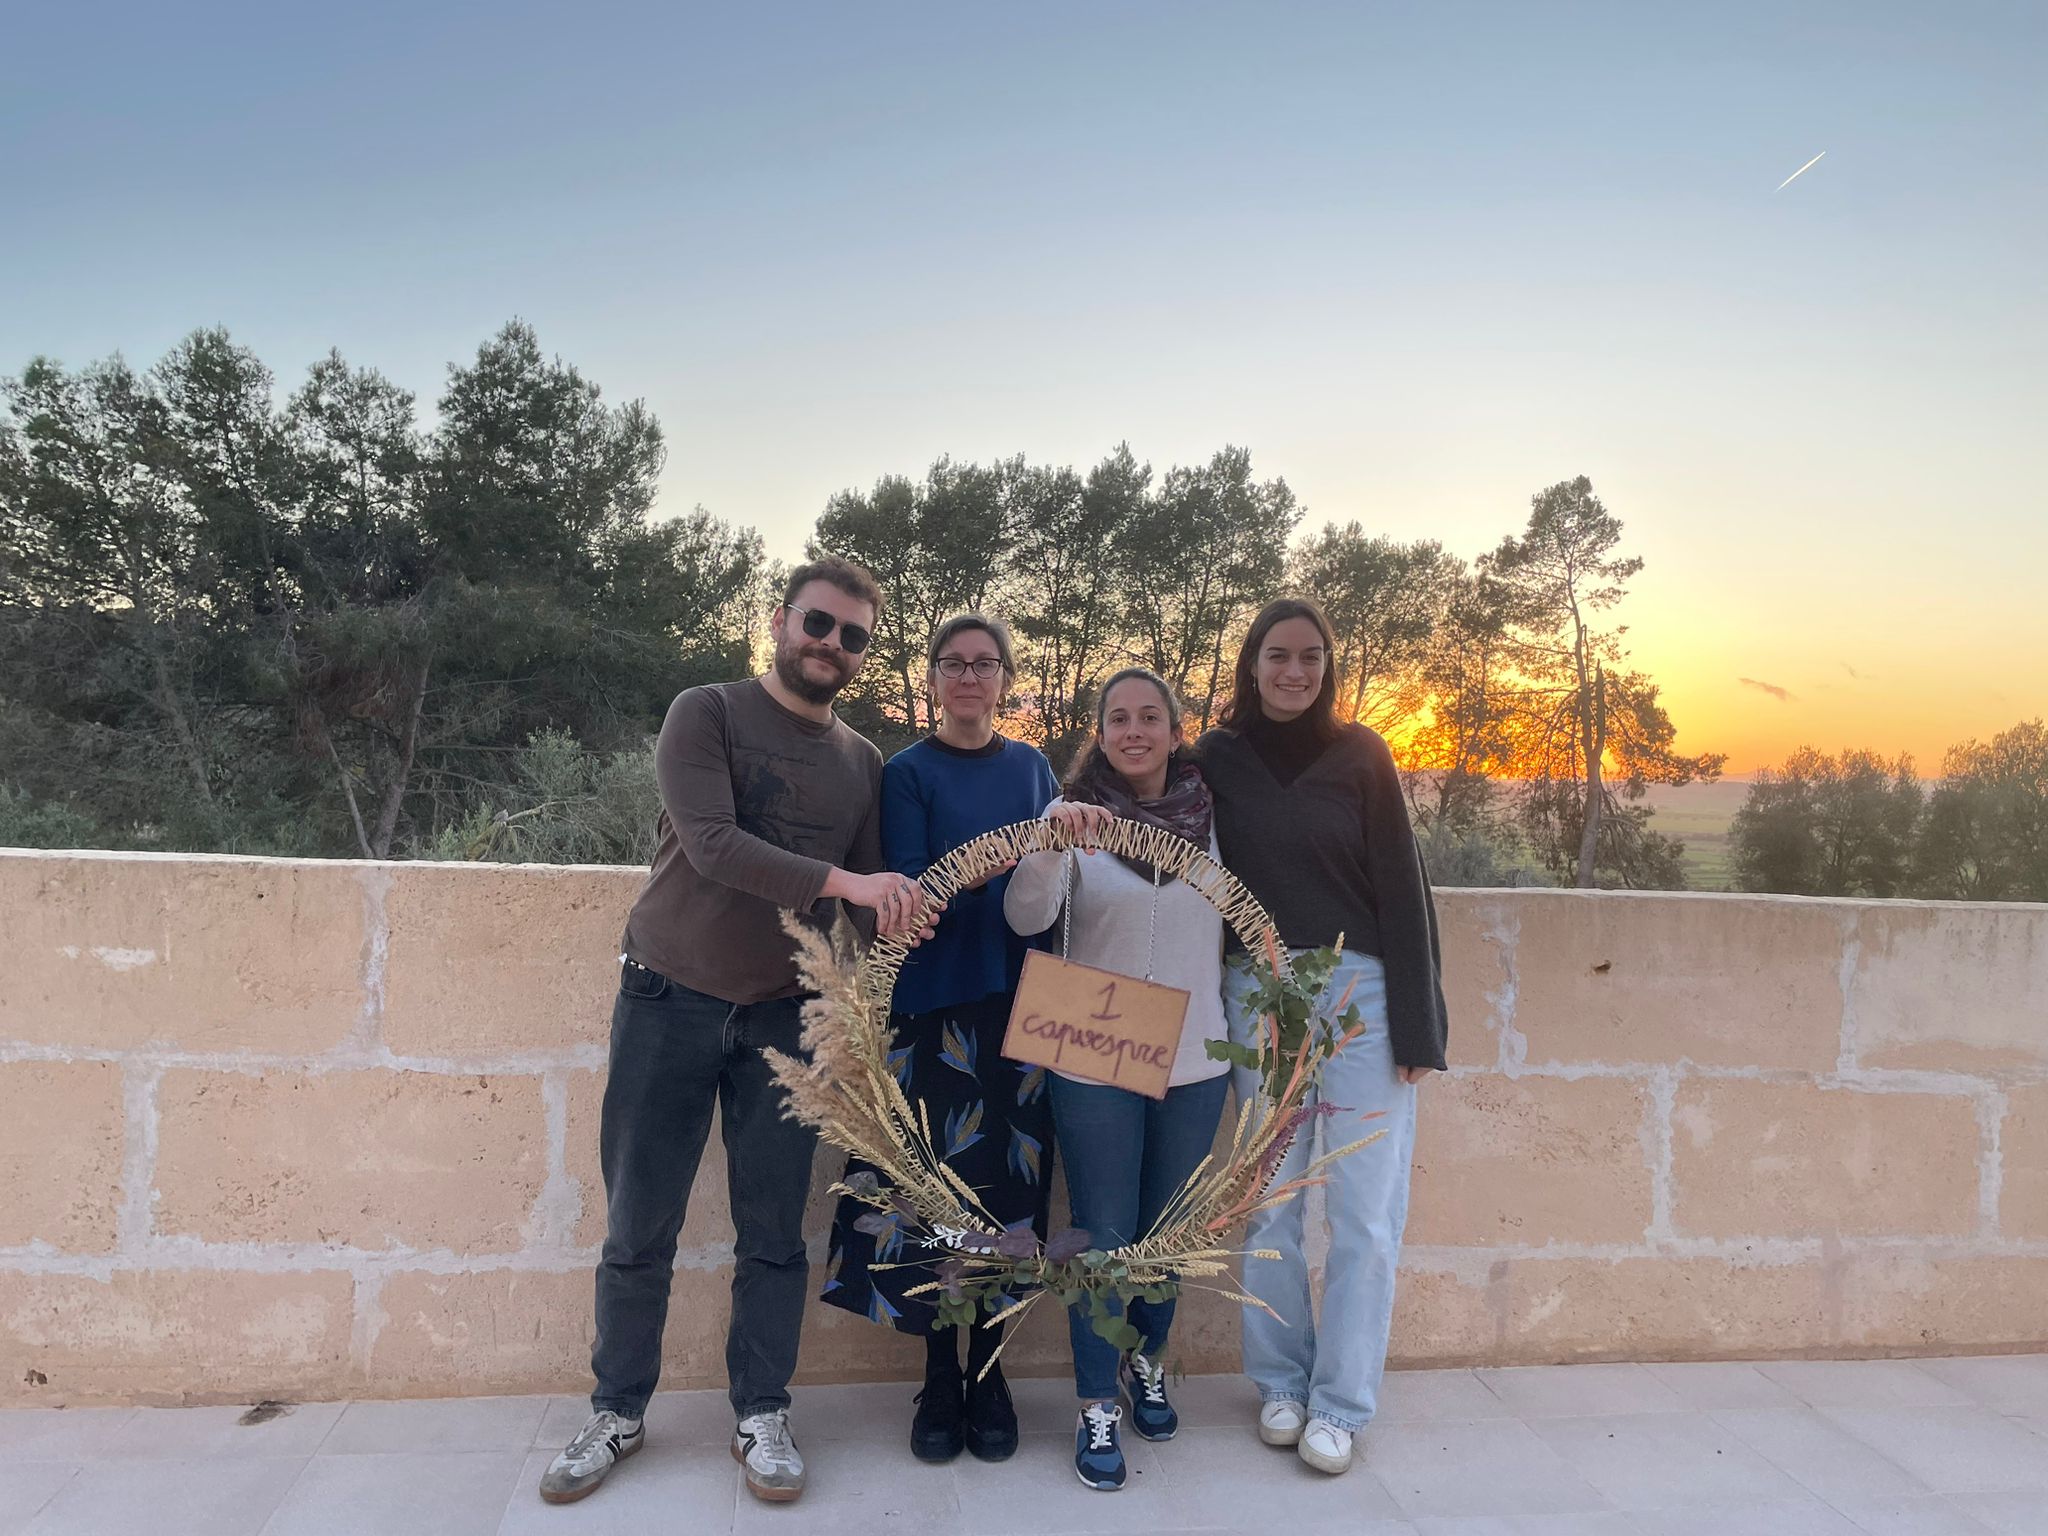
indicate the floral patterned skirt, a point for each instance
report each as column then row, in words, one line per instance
column 992, row 1120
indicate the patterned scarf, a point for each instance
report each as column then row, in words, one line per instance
column 1186, row 809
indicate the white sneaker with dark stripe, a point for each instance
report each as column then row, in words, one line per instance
column 767, row 1453
column 601, row 1444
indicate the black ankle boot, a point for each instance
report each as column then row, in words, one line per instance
column 991, row 1417
column 938, row 1428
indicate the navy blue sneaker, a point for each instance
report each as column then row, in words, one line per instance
column 1144, row 1383
column 1098, row 1459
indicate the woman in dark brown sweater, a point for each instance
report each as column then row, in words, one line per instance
column 1310, row 816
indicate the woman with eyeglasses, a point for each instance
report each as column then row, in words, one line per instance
column 991, row 1119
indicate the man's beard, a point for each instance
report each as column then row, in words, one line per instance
column 789, row 666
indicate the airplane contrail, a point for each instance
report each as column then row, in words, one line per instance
column 1801, row 171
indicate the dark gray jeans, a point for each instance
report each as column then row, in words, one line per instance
column 674, row 1054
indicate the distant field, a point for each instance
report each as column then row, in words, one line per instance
column 1699, row 814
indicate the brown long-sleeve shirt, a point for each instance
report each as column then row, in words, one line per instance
column 757, row 805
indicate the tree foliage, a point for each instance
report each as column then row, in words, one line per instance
column 1094, row 573
column 1986, row 832
column 1857, row 824
column 1824, row 825
column 314, row 627
column 308, row 620
column 1570, row 710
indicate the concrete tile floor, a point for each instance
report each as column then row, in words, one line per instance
column 1878, row 1448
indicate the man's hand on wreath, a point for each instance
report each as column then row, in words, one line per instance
column 903, row 909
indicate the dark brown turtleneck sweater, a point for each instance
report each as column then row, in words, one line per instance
column 1319, row 832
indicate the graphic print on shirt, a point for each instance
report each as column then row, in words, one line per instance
column 766, row 805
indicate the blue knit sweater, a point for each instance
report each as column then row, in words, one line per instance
column 934, row 798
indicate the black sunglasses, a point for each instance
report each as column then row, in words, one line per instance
column 818, row 624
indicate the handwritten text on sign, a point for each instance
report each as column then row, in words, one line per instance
column 1096, row 1024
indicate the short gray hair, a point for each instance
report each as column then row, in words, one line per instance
column 960, row 624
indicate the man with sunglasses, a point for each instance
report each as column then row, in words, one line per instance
column 768, row 803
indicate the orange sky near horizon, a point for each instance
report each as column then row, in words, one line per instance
column 1926, row 631
column 1887, row 648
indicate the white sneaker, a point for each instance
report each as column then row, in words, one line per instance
column 601, row 1444
column 765, row 1450
column 1326, row 1447
column 1281, row 1421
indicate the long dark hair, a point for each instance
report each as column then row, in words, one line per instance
column 1243, row 709
column 1087, row 760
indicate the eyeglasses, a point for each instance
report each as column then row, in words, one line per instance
column 818, row 624
column 983, row 667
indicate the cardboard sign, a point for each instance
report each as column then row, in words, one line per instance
column 1096, row 1024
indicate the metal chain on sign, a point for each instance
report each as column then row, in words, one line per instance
column 1067, row 913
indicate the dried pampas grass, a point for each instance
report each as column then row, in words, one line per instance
column 843, row 1086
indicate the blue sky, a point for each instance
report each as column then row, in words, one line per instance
column 1421, row 259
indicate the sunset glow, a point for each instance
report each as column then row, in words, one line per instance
column 1380, row 249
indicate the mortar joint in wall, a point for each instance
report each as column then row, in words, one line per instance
column 1908, row 1080
column 349, row 1056
column 1752, row 1074
column 559, row 1205
column 135, row 1224
column 1579, row 1071
column 1657, row 1150
column 1833, row 1287
column 519, row 1064
column 706, row 1256
column 1749, row 1252
column 186, row 1253
column 1498, row 1300
column 1991, row 1111
column 190, row 1255
column 1514, row 1045
column 1846, row 1048
column 366, row 1323
column 375, row 880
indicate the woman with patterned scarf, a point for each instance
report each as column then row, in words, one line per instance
column 1126, row 1155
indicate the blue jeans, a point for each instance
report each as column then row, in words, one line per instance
column 1335, row 1372
column 1126, row 1156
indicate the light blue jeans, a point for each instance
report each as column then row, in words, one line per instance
column 1334, row 1370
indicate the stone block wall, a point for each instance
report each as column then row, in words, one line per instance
column 309, row 1129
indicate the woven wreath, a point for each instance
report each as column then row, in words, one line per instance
column 980, row 1272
